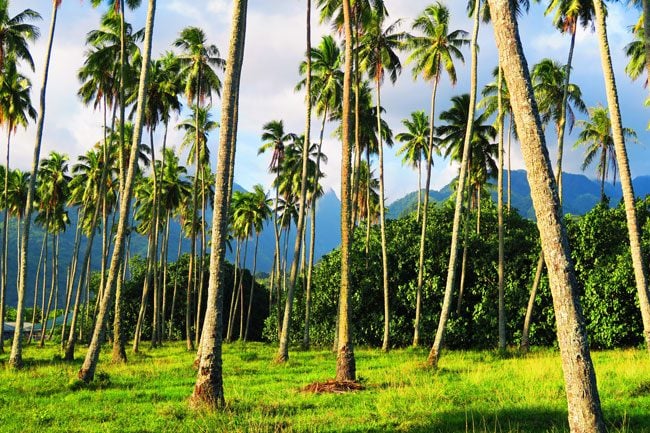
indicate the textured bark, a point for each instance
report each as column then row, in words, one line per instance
column 434, row 353
column 87, row 371
column 425, row 211
column 16, row 357
column 640, row 271
column 345, row 361
column 585, row 414
column 208, row 390
column 502, row 306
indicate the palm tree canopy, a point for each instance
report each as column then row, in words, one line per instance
column 378, row 49
column 635, row 52
column 415, row 140
column 274, row 137
column 200, row 62
column 15, row 103
column 16, row 33
column 206, row 125
column 435, row 48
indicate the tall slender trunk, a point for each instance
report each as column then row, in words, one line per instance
column 55, row 282
column 500, row 270
column 345, row 360
column 241, row 294
column 87, row 371
column 382, row 224
column 419, row 189
column 71, row 276
column 640, row 271
column 250, row 298
column 208, row 389
column 463, row 263
column 283, row 350
column 173, row 307
column 425, row 212
column 585, row 414
column 524, row 345
column 357, row 118
column 36, row 281
column 16, row 357
column 231, row 311
column 46, row 311
column 146, row 287
column 561, row 126
column 434, row 354
column 511, row 127
column 155, row 328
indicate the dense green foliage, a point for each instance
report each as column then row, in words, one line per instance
column 600, row 251
column 473, row 392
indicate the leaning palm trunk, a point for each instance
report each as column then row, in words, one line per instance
column 345, row 360
column 524, row 345
column 87, row 371
column 283, row 350
column 500, row 270
column 640, row 272
column 382, row 224
column 16, row 357
column 425, row 212
column 434, row 354
column 208, row 389
column 585, row 414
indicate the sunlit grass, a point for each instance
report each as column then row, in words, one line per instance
column 472, row 392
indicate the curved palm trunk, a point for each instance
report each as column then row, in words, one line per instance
column 87, row 371
column 585, row 414
column 208, row 389
column 382, row 225
column 425, row 212
column 434, row 354
column 524, row 345
column 283, row 350
column 345, row 360
column 16, row 357
column 640, row 271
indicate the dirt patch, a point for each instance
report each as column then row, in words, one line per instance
column 333, row 386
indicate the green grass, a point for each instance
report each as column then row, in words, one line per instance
column 472, row 392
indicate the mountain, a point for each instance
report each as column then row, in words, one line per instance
column 328, row 235
column 581, row 194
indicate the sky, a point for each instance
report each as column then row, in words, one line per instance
column 275, row 44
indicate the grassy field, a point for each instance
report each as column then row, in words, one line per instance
column 472, row 392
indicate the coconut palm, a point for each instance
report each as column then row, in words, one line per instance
column 596, row 137
column 208, row 390
column 618, row 133
column 15, row 34
column 636, row 53
column 15, row 111
column 434, row 48
column 87, row 371
column 582, row 394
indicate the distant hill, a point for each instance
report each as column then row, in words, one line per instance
column 328, row 237
column 581, row 194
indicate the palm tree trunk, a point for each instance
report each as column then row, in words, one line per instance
column 35, row 301
column 145, row 295
column 419, row 189
column 208, row 390
column 283, row 350
column 463, row 263
column 357, row 118
column 87, row 371
column 173, row 307
column 434, row 354
column 55, row 282
column 368, row 210
column 524, row 345
column 231, row 311
column 165, row 260
column 16, row 357
column 511, row 127
column 5, row 243
column 585, row 414
column 382, row 225
column 250, row 298
column 425, row 212
column 500, row 270
column 561, row 126
column 640, row 271
column 71, row 276
column 46, row 313
column 240, row 294
column 345, row 360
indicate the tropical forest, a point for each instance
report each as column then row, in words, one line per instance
column 325, row 216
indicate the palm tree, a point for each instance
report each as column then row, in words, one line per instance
column 618, row 133
column 87, row 371
column 208, row 390
column 15, row 359
column 16, row 33
column 636, row 53
column 379, row 58
column 568, row 14
column 434, row 353
column 52, row 195
column 596, row 136
column 433, row 52
column 15, row 111
column 415, row 147
column 582, row 394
